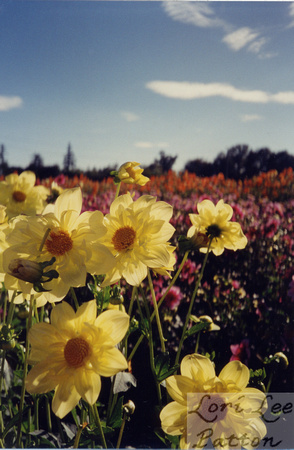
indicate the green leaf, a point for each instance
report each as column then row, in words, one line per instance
column 116, row 417
column 14, row 421
column 162, row 367
column 196, row 328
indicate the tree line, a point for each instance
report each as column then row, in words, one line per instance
column 239, row 162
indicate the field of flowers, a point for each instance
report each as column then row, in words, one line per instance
column 210, row 296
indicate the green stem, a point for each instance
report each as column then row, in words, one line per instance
column 117, row 190
column 74, row 297
column 197, row 341
column 22, row 395
column 172, row 281
column 97, row 421
column 183, row 337
column 269, row 381
column 121, row 431
column 162, row 344
column 44, row 239
column 48, row 414
column 140, row 339
column 151, row 353
column 78, row 436
column 11, row 308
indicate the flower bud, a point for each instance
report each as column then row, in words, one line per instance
column 130, row 172
column 25, row 270
column 129, row 408
column 282, row 359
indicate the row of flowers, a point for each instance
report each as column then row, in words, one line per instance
column 99, row 254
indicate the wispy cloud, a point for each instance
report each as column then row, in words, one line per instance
column 196, row 13
column 148, row 144
column 250, row 117
column 291, row 14
column 202, row 15
column 7, row 103
column 240, row 38
column 185, row 90
column 129, row 116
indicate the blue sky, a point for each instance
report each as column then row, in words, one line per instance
column 123, row 80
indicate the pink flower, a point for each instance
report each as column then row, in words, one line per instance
column 241, row 352
column 173, row 298
column 291, row 289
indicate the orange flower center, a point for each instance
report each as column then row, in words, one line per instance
column 19, row 196
column 59, row 243
column 75, row 351
column 124, row 238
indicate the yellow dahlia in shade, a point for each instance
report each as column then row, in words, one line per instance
column 20, row 195
column 214, row 222
column 70, row 240
column 72, row 352
column 221, row 408
column 137, row 235
column 130, row 172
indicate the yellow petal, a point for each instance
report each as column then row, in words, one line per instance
column 43, row 335
column 197, row 367
column 114, row 323
column 101, row 261
column 121, row 202
column 62, row 316
column 88, row 384
column 179, row 387
column 70, row 199
column 86, row 313
column 173, row 418
column 109, row 362
column 65, row 398
column 40, row 380
column 135, row 273
column 235, row 374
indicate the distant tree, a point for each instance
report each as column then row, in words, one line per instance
column 37, row 161
column 199, row 167
column 69, row 162
column 161, row 165
column 3, row 163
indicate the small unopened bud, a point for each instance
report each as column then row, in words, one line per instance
column 116, row 300
column 25, row 270
column 129, row 408
column 282, row 359
column 200, row 240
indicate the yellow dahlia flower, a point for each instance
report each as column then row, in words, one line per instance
column 73, row 352
column 214, row 222
column 137, row 235
column 20, row 195
column 70, row 241
column 220, row 408
column 130, row 172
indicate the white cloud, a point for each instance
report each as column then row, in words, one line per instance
column 239, row 38
column 185, row 90
column 200, row 14
column 256, row 46
column 250, row 117
column 291, row 14
column 147, row 144
column 7, row 103
column 196, row 13
column 129, row 116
